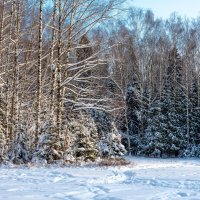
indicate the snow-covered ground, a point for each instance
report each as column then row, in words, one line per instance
column 145, row 179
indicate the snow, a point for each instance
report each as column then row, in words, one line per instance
column 145, row 179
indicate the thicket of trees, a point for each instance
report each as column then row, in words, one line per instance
column 155, row 74
column 74, row 81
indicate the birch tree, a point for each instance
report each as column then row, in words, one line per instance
column 39, row 75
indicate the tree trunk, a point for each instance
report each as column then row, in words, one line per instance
column 59, row 89
column 39, row 78
column 53, row 67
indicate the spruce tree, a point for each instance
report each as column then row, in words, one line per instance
column 193, row 148
column 109, row 137
column 166, row 130
column 103, row 123
column 18, row 150
column 133, row 105
column 194, row 115
column 173, row 106
column 85, row 147
column 145, row 106
column 84, row 52
column 180, row 102
column 49, row 147
column 145, row 112
column 154, row 138
column 116, row 146
column 167, row 115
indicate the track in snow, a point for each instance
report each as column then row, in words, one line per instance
column 148, row 179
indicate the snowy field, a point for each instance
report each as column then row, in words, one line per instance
column 146, row 179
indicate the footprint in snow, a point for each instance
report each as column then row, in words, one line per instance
column 129, row 173
column 182, row 194
column 103, row 189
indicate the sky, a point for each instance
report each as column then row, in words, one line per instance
column 163, row 8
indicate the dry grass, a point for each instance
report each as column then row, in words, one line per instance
column 113, row 162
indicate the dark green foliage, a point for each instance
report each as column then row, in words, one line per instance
column 166, row 132
column 103, row 123
column 110, row 143
column 155, row 137
column 117, row 149
column 20, row 154
column 194, row 115
column 86, row 140
column 50, row 147
column 133, row 104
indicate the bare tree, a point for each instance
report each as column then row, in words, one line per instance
column 39, row 75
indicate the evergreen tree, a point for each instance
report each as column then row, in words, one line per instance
column 50, row 147
column 166, row 130
column 18, row 150
column 193, row 149
column 180, row 102
column 134, row 115
column 145, row 111
column 84, row 52
column 115, row 143
column 103, row 123
column 154, row 138
column 194, row 115
column 173, row 106
column 109, row 137
column 86, row 140
column 93, row 148
column 167, row 115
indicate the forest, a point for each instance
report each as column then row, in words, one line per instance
column 88, row 79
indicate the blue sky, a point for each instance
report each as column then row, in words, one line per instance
column 163, row 8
